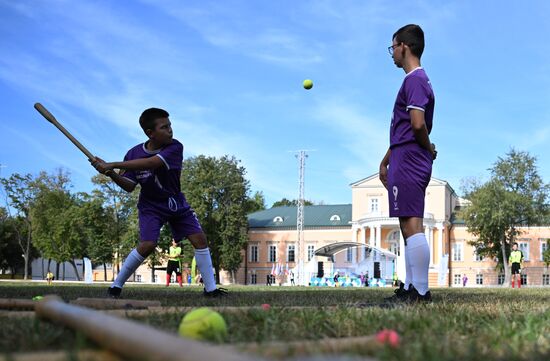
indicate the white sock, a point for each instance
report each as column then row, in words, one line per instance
column 129, row 266
column 418, row 253
column 408, row 270
column 204, row 263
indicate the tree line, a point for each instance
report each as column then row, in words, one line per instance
column 514, row 198
column 44, row 218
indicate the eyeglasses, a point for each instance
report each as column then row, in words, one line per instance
column 392, row 48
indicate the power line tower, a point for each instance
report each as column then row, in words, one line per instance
column 300, row 216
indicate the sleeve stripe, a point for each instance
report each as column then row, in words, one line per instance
column 131, row 180
column 164, row 160
column 409, row 107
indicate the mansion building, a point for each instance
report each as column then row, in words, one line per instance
column 361, row 238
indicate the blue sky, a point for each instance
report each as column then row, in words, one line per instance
column 230, row 74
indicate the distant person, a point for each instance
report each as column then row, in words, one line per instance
column 395, row 280
column 291, row 274
column 406, row 168
column 516, row 257
column 174, row 263
column 49, row 277
column 336, row 278
column 464, row 280
column 156, row 166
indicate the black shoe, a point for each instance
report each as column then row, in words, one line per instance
column 114, row 292
column 400, row 294
column 415, row 297
column 218, row 292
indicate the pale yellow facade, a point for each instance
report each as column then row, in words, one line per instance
column 451, row 255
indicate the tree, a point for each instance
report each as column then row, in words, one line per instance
column 96, row 226
column 546, row 253
column 256, row 203
column 10, row 252
column 290, row 203
column 514, row 197
column 217, row 190
column 123, row 229
column 60, row 229
column 20, row 193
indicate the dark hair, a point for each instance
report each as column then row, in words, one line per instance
column 412, row 36
column 515, row 244
column 149, row 116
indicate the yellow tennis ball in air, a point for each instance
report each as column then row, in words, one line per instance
column 308, row 84
column 203, row 324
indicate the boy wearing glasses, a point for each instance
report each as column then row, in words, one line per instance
column 406, row 168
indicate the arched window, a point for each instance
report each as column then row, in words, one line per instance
column 278, row 219
column 335, row 217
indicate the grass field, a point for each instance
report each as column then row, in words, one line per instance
column 461, row 324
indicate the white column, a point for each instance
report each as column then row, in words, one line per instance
column 371, row 236
column 429, row 237
column 354, row 234
column 362, row 235
column 378, row 241
column 439, row 242
column 400, row 260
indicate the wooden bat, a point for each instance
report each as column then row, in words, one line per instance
column 130, row 339
column 50, row 118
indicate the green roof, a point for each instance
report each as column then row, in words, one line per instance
column 334, row 215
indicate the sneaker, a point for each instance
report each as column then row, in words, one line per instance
column 114, row 292
column 415, row 297
column 400, row 294
column 218, row 292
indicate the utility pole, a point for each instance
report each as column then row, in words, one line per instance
column 300, row 216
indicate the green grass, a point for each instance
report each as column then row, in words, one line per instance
column 461, row 324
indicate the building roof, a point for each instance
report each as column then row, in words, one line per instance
column 334, row 215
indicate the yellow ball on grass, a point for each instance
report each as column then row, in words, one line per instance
column 203, row 324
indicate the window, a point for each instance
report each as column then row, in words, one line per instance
column 138, row 278
column 291, row 253
column 457, row 279
column 253, row 279
column 278, row 219
column 253, row 255
column 457, row 251
column 310, row 252
column 477, row 257
column 335, row 217
column 546, row 280
column 394, row 248
column 543, row 247
column 479, row 279
column 523, row 279
column 374, row 205
column 349, row 255
column 524, row 248
column 501, row 279
column 272, row 253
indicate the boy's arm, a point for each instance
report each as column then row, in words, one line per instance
column 121, row 181
column 421, row 132
column 383, row 172
column 150, row 163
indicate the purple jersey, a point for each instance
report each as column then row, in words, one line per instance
column 415, row 93
column 160, row 184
